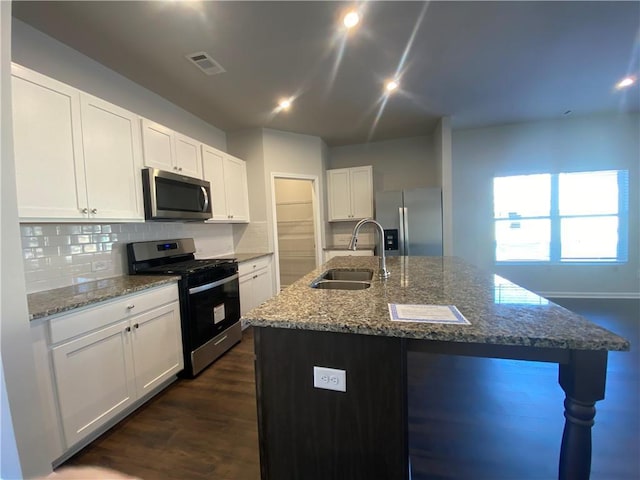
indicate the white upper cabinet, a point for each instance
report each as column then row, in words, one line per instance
column 77, row 157
column 113, row 160
column 48, row 147
column 228, row 178
column 171, row 151
column 350, row 193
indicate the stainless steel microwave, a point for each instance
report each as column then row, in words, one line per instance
column 172, row 197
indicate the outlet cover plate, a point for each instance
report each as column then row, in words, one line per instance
column 330, row 379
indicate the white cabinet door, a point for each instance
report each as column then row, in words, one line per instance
column 246, row 293
column 262, row 286
column 228, row 178
column 188, row 160
column 113, row 160
column 48, row 147
column 157, row 346
column 339, row 192
column 95, row 379
column 235, row 171
column 170, row 151
column 361, row 183
column 213, row 172
column 157, row 144
column 256, row 282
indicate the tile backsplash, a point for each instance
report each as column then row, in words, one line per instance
column 58, row 255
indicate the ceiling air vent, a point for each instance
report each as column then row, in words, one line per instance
column 205, row 63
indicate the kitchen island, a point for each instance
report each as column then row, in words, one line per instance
column 306, row 432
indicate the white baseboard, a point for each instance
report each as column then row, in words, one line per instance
column 603, row 295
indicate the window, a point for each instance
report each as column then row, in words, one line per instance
column 561, row 218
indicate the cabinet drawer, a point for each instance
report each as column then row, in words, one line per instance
column 103, row 313
column 245, row 268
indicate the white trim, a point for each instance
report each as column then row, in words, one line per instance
column 603, row 295
column 315, row 187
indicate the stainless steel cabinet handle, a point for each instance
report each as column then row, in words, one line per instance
column 130, row 307
column 94, row 210
column 179, row 169
column 128, row 329
column 136, row 325
column 84, row 210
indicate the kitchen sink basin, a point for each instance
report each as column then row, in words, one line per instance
column 348, row 275
column 340, row 285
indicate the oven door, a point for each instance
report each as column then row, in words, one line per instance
column 213, row 307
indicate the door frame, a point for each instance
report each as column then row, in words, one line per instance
column 315, row 198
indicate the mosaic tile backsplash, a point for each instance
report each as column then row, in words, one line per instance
column 58, row 255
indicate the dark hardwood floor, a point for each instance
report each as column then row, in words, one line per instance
column 469, row 418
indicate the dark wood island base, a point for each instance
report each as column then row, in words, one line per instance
column 362, row 433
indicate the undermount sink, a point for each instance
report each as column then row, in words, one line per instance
column 353, row 275
column 340, row 285
column 344, row 279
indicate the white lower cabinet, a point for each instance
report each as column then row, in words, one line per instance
column 256, row 282
column 94, row 379
column 107, row 358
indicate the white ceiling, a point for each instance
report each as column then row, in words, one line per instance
column 482, row 63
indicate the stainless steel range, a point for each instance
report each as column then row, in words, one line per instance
column 209, row 297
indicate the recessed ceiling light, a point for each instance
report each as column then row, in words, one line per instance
column 284, row 104
column 351, row 19
column 391, row 85
column 626, row 82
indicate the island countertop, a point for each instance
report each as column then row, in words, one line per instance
column 499, row 312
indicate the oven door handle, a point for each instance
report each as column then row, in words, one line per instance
column 211, row 285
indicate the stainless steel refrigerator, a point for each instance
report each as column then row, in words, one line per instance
column 412, row 221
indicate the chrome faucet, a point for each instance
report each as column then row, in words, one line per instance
column 382, row 272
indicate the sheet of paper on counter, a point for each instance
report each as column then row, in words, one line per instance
column 426, row 313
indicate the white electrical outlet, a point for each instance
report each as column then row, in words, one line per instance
column 99, row 265
column 330, row 379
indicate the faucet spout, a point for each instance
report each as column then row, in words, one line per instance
column 382, row 272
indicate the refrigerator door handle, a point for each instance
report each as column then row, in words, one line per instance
column 405, row 229
column 401, row 231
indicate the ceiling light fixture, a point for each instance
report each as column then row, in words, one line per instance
column 284, row 104
column 625, row 82
column 351, row 19
column 391, row 85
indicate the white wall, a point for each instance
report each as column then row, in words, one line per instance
column 442, row 142
column 37, row 51
column 292, row 153
column 571, row 144
column 397, row 164
column 23, row 447
column 252, row 237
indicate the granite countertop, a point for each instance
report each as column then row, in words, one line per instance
column 361, row 246
column 58, row 300
column 500, row 312
column 246, row 257
column 242, row 257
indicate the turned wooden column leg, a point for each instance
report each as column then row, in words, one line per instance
column 583, row 381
